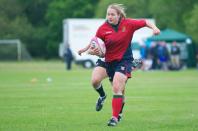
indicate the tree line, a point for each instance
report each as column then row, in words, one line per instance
column 38, row 23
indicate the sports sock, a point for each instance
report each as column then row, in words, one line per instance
column 122, row 107
column 100, row 90
column 123, row 102
column 116, row 105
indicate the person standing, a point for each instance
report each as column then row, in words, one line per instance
column 163, row 55
column 153, row 55
column 175, row 55
column 68, row 57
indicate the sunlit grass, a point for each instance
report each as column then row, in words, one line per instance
column 154, row 100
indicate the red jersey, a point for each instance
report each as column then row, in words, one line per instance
column 117, row 42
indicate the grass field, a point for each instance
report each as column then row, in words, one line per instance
column 155, row 101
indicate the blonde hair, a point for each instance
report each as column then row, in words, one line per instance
column 120, row 8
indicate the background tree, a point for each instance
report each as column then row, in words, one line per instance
column 38, row 23
column 13, row 23
column 191, row 21
column 16, row 22
column 60, row 10
column 170, row 13
column 35, row 12
column 135, row 8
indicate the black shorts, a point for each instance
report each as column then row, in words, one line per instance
column 101, row 63
column 123, row 66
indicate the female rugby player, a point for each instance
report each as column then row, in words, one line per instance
column 117, row 33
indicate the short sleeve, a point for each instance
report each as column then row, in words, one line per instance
column 99, row 33
column 137, row 24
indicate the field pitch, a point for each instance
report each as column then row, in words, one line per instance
column 43, row 96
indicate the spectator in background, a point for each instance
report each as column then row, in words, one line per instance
column 175, row 55
column 163, row 55
column 144, row 56
column 153, row 56
column 143, row 52
column 68, row 57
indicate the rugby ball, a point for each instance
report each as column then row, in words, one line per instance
column 99, row 44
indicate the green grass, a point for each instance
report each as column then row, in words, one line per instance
column 155, row 101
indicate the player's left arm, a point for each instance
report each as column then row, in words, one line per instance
column 156, row 31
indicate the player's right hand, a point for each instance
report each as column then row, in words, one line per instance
column 80, row 52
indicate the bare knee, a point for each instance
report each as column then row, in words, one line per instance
column 117, row 90
column 95, row 82
column 119, row 84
